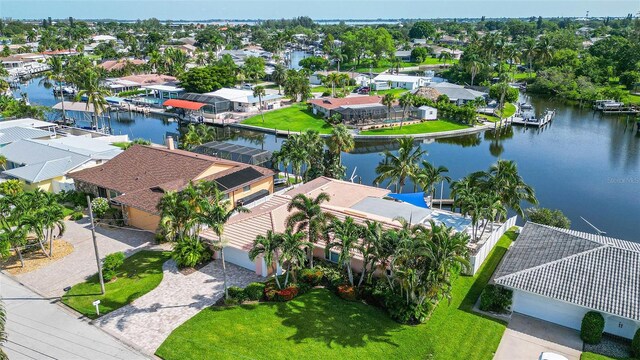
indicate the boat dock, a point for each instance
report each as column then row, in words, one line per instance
column 532, row 120
column 615, row 107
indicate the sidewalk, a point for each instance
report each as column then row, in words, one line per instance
column 38, row 329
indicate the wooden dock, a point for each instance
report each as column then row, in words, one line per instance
column 546, row 119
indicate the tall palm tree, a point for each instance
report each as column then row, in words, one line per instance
column 445, row 56
column 95, row 94
column 279, row 76
column 388, row 101
column 292, row 252
column 259, row 92
column 474, row 65
column 398, row 168
column 371, row 249
column 446, row 251
column 268, row 246
column 340, row 141
column 56, row 75
column 503, row 178
column 529, row 51
column 215, row 212
column 407, row 100
column 344, row 236
column 430, row 175
column 333, row 79
column 309, row 217
column 544, row 50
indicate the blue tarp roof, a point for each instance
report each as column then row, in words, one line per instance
column 416, row 199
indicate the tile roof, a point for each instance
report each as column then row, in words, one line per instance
column 593, row 271
column 144, row 173
column 333, row 103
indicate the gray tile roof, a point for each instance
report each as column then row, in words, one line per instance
column 593, row 271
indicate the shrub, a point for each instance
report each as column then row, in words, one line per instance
column 237, row 293
column 77, row 198
column 286, row 294
column 635, row 345
column 254, row 291
column 231, row 301
column 312, row 277
column 189, row 252
column 592, row 327
column 403, row 312
column 549, row 217
column 303, row 288
column 495, row 298
column 326, row 93
column 76, row 215
column 99, row 206
column 347, row 292
column 110, row 263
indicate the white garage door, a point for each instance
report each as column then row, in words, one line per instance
column 239, row 258
column 548, row 309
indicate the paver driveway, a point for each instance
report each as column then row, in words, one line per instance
column 149, row 320
column 81, row 263
column 526, row 338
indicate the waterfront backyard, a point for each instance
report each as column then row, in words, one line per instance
column 321, row 325
column 295, row 118
column 424, row 127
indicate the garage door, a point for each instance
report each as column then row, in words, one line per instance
column 548, row 309
column 239, row 258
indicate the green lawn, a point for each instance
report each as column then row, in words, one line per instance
column 293, row 118
column 632, row 99
column 421, row 128
column 121, row 144
column 509, row 109
column 324, row 89
column 395, row 92
column 592, row 356
column 140, row 273
column 319, row 325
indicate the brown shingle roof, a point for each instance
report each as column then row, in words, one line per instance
column 144, row 173
column 333, row 103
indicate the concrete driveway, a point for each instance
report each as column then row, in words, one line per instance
column 526, row 338
column 38, row 329
column 149, row 320
column 81, row 263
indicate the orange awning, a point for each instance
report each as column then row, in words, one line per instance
column 184, row 104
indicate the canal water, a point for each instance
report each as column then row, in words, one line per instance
column 583, row 163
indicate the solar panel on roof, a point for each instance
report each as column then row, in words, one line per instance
column 238, row 178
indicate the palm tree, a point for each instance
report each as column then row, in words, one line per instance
column 388, row 101
column 279, row 76
column 474, row 65
column 95, row 94
column 371, row 249
column 406, row 100
column 3, row 162
column 333, row 79
column 529, row 52
column 446, row 251
column 309, row 217
column 268, row 246
column 259, row 92
column 340, row 141
column 544, row 50
column 503, row 178
column 215, row 211
column 197, row 135
column 345, row 235
column 56, row 75
column 397, row 168
column 292, row 252
column 430, row 175
column 445, row 56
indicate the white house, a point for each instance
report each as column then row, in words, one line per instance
column 244, row 101
column 558, row 275
column 427, row 113
column 359, row 79
column 384, row 81
column 103, row 38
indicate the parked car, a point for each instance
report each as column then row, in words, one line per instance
column 551, row 356
column 248, row 86
column 364, row 90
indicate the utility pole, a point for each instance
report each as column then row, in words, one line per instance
column 95, row 245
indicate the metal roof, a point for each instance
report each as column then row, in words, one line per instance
column 11, row 134
column 592, row 271
column 50, row 169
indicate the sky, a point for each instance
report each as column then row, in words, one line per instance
column 316, row 9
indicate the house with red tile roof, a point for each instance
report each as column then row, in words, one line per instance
column 137, row 179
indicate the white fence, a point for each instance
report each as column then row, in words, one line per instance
column 481, row 254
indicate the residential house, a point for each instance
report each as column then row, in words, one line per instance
column 327, row 106
column 404, row 55
column 137, row 179
column 386, row 81
column 243, row 100
column 438, row 50
column 9, row 135
column 558, row 275
column 457, row 94
column 45, row 164
column 111, row 65
column 361, row 202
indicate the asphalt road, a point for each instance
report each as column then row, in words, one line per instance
column 37, row 328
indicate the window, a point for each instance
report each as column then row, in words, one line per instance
column 246, row 188
column 333, row 256
column 113, row 194
column 102, row 192
column 225, row 197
